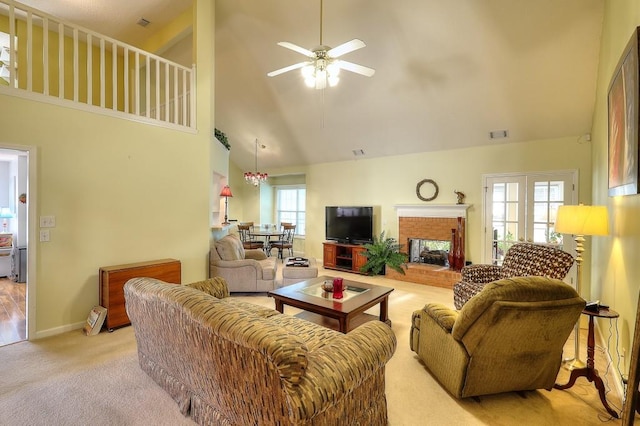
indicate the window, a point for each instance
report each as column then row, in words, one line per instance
column 290, row 206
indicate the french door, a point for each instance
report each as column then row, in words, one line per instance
column 523, row 207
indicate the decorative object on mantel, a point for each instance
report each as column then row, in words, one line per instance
column 382, row 252
column 456, row 253
column 226, row 193
column 435, row 192
column 222, row 138
column 256, row 178
column 460, row 196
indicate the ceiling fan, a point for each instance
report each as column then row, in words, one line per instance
column 323, row 65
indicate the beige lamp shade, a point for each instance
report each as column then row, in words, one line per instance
column 582, row 220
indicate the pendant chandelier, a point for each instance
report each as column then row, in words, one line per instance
column 256, row 178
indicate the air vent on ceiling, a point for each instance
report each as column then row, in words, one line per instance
column 143, row 22
column 358, row 152
column 498, row 134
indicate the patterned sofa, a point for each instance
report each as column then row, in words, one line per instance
column 245, row 270
column 521, row 260
column 225, row 361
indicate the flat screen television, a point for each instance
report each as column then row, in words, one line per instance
column 349, row 224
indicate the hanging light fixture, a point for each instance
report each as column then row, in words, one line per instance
column 256, row 178
column 322, row 67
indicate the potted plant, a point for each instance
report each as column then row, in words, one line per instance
column 382, row 252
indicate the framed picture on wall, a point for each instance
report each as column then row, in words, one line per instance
column 623, row 122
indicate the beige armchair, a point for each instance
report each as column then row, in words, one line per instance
column 522, row 259
column 509, row 337
column 244, row 270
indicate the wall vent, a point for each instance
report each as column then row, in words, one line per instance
column 498, row 134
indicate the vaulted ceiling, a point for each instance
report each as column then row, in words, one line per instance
column 447, row 72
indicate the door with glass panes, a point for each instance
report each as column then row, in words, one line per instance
column 523, row 207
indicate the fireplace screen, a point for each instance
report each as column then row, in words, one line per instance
column 433, row 252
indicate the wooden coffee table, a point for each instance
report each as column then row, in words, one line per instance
column 320, row 306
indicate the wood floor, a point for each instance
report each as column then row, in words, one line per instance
column 13, row 310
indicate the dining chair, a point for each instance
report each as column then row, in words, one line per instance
column 248, row 239
column 288, row 231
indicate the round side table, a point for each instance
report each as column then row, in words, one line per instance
column 590, row 371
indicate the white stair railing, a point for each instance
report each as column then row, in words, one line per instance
column 48, row 59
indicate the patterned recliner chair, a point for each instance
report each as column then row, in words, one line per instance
column 522, row 259
column 507, row 338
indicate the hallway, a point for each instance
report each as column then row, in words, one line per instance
column 13, row 324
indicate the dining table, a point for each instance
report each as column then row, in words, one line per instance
column 267, row 235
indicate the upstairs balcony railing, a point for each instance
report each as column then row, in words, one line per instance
column 48, row 59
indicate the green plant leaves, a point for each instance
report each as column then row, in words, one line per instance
column 383, row 251
column 222, row 138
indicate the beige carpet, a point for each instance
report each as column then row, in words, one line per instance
column 73, row 379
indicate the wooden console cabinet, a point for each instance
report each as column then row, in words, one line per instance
column 113, row 278
column 344, row 257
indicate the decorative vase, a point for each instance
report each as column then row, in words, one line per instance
column 452, row 249
column 459, row 253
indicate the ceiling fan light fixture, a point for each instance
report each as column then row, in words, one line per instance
column 307, row 71
column 323, row 66
column 321, row 80
column 333, row 69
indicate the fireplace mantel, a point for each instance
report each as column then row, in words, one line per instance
column 432, row 210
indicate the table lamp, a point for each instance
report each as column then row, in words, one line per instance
column 579, row 221
column 226, row 193
column 5, row 214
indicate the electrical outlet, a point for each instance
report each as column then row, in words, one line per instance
column 624, row 352
column 45, row 235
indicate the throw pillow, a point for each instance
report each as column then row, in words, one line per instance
column 230, row 248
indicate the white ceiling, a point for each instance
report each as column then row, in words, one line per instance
column 447, row 72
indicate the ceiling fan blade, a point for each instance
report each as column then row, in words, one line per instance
column 296, row 48
column 358, row 69
column 347, row 47
column 289, row 68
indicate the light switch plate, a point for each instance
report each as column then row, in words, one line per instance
column 44, row 235
column 47, row 221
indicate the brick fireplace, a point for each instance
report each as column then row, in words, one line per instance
column 428, row 222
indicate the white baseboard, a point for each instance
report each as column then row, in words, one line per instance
column 57, row 330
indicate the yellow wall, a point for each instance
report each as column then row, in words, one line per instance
column 121, row 192
column 615, row 269
column 388, row 181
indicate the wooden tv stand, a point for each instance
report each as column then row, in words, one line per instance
column 343, row 257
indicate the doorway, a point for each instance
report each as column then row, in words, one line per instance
column 14, row 213
column 523, row 207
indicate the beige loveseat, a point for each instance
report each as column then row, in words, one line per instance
column 244, row 270
column 229, row 362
